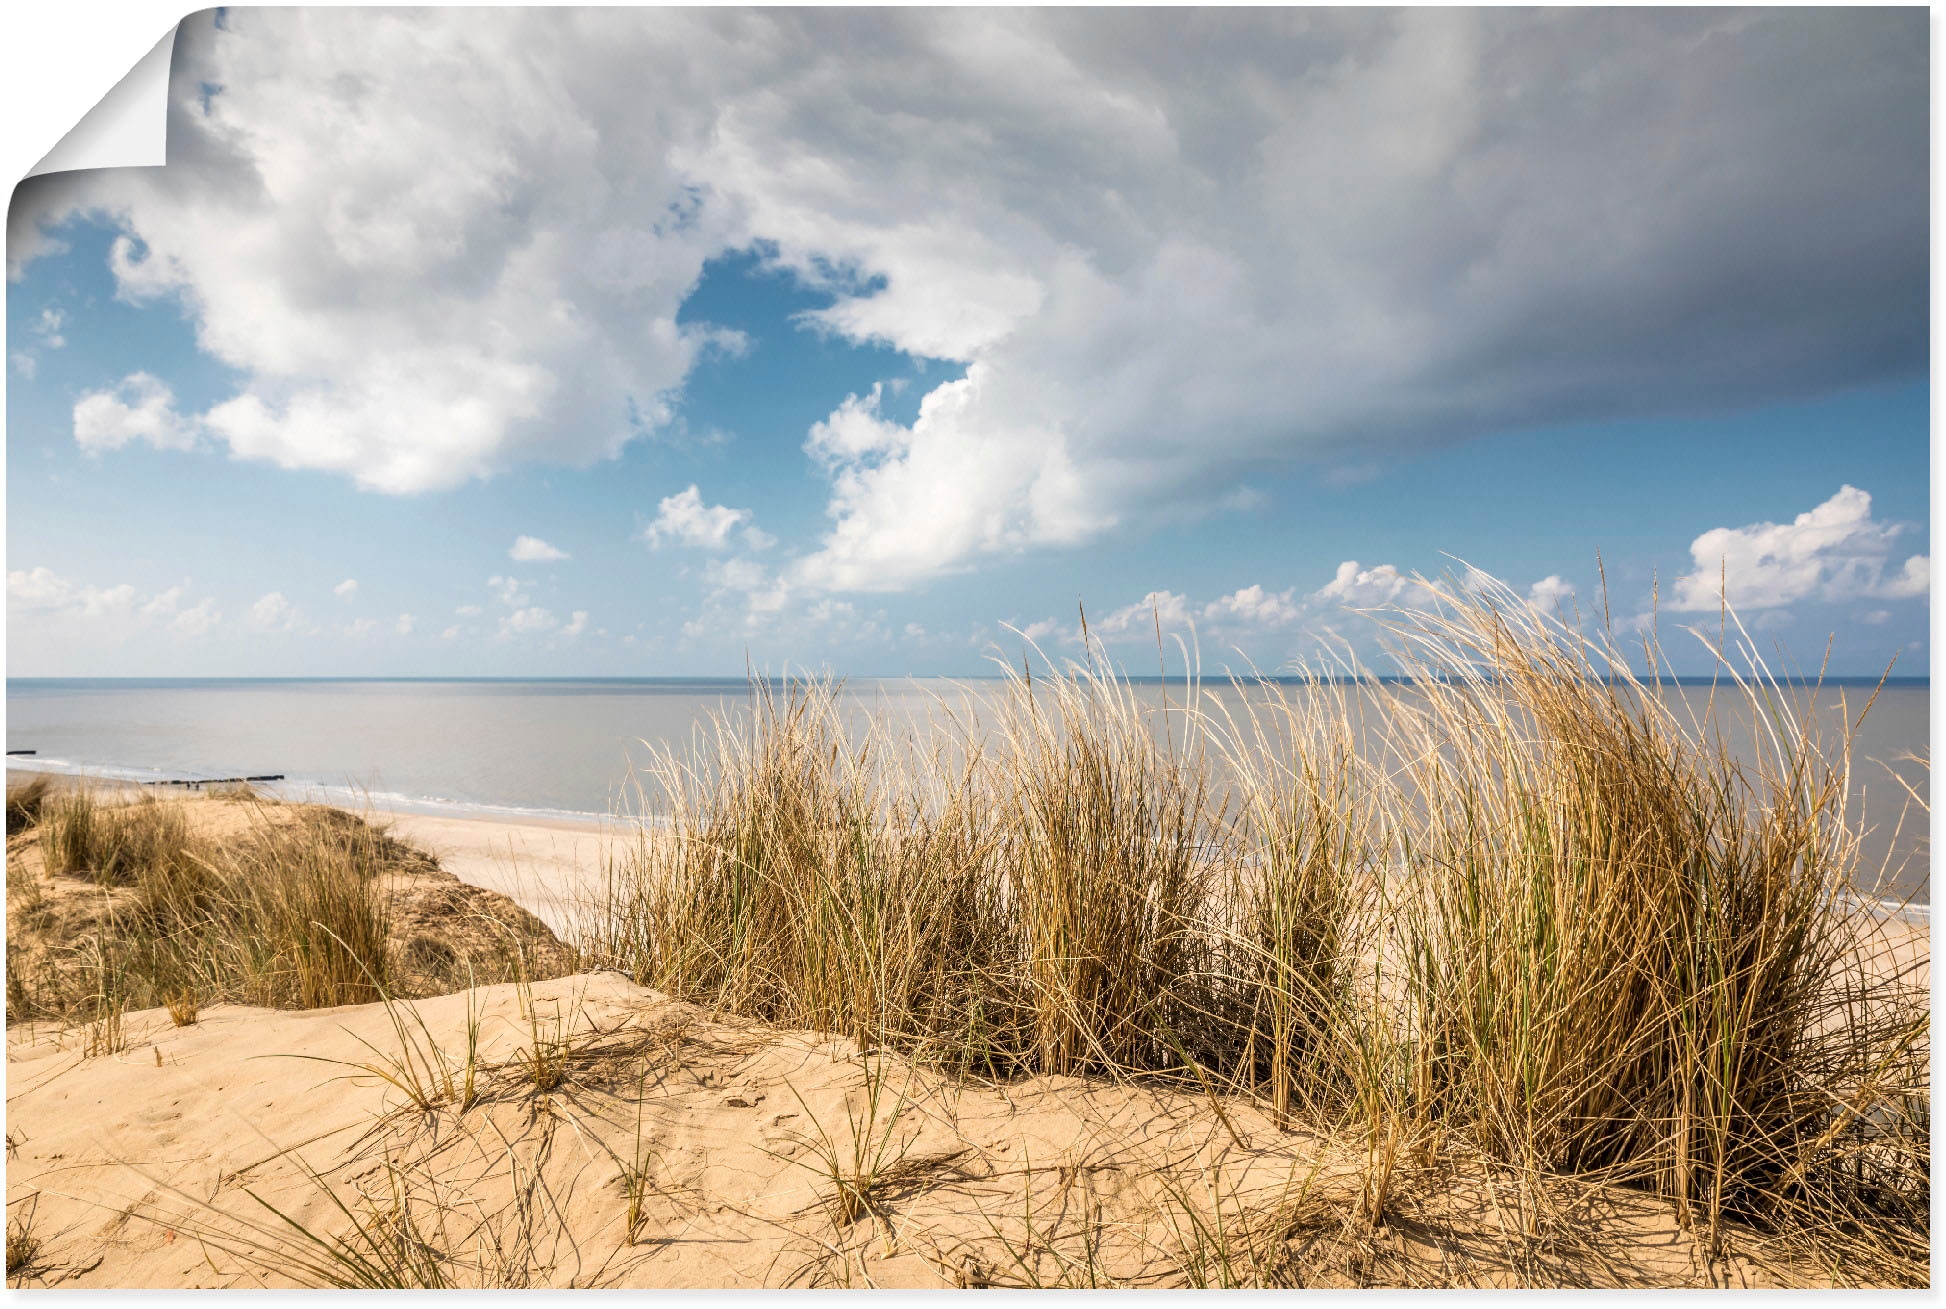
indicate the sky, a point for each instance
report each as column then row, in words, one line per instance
column 672, row 343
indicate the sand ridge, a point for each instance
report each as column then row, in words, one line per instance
column 159, row 1165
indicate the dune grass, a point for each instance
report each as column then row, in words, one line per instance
column 1519, row 911
column 24, row 801
column 1521, row 904
column 288, row 914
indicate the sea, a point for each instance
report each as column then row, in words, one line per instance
column 570, row 749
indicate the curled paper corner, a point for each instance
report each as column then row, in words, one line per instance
column 128, row 127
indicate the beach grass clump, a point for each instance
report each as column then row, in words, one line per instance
column 1628, row 946
column 114, row 844
column 1519, row 900
column 24, row 803
column 796, row 872
column 1104, row 824
column 289, row 913
column 310, row 890
column 1017, row 892
column 25, row 1244
column 1302, row 892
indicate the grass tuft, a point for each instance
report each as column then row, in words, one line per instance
column 1521, row 901
column 25, row 802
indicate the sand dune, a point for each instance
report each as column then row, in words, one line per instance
column 585, row 1131
column 159, row 1165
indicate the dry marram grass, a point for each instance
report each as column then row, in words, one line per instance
column 1516, row 923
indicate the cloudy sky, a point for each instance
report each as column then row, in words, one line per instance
column 648, row 342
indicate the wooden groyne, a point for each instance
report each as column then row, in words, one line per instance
column 200, row 782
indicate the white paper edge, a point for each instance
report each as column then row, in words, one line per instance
column 128, row 127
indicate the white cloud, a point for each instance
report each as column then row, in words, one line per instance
column 197, row 619
column 404, row 624
column 362, row 629
column 437, row 245
column 1361, row 588
column 684, row 519
column 1254, row 607
column 165, row 608
column 449, row 634
column 533, row 550
column 1166, row 607
column 525, row 622
column 44, row 594
column 274, row 613
column 1550, row 593
column 468, row 611
column 1835, row 552
column 346, row 589
column 509, row 591
column 140, row 408
column 165, row 605
column 48, row 329
column 577, row 623
column 44, row 591
column 1043, row 631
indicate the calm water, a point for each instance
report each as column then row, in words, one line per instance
column 566, row 748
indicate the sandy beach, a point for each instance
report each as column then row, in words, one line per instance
column 675, row 1146
column 550, row 867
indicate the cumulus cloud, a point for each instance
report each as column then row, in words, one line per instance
column 404, row 625
column 509, row 591
column 683, row 519
column 1360, row 588
column 577, row 623
column 533, row 550
column 1550, row 593
column 1248, row 607
column 1253, row 606
column 198, row 619
column 47, row 333
column 1836, row 551
column 525, row 622
column 273, row 612
column 139, row 408
column 43, row 593
column 1165, row 607
column 435, row 245
column 346, row 589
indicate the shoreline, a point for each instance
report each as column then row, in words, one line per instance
column 305, row 791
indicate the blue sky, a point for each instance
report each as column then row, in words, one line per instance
column 934, row 366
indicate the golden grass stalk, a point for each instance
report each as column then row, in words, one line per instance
column 291, row 914
column 1519, row 898
column 25, row 802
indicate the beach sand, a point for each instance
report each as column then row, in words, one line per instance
column 551, row 868
column 159, row 1165
column 682, row 1147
